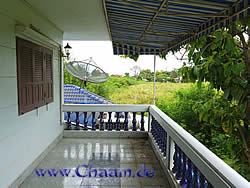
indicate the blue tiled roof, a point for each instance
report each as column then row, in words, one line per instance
column 76, row 95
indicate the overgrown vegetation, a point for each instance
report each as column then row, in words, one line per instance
column 207, row 115
column 161, row 76
column 143, row 93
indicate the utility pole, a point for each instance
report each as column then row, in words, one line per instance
column 154, row 92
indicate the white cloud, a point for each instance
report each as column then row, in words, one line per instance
column 102, row 53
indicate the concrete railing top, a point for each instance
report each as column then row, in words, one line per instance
column 105, row 108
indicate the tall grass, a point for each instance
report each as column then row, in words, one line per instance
column 143, row 93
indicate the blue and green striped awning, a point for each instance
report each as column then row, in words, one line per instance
column 156, row 26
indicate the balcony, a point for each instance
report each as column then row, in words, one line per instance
column 101, row 153
column 130, row 136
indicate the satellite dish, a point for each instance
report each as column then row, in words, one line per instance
column 87, row 71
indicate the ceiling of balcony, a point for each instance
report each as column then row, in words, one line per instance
column 79, row 19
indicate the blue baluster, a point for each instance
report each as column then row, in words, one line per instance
column 142, row 121
column 195, row 176
column 205, row 183
column 198, row 178
column 126, row 122
column 189, row 174
column 85, row 120
column 117, row 123
column 77, row 127
column 68, row 121
column 93, row 121
column 159, row 136
column 110, row 121
column 154, row 131
column 183, row 181
column 178, row 174
column 162, row 138
column 101, row 122
column 175, row 159
column 165, row 144
column 134, row 122
column 153, row 127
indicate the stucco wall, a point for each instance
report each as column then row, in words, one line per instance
column 23, row 138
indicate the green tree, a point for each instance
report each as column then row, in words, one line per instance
column 126, row 74
column 146, row 75
column 222, row 59
column 162, row 76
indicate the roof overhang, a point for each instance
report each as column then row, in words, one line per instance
column 158, row 26
column 78, row 20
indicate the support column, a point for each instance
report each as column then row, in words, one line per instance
column 154, row 92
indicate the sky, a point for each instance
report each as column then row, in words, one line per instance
column 102, row 54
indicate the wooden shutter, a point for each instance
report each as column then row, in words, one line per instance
column 25, row 76
column 34, row 75
column 38, row 84
column 49, row 75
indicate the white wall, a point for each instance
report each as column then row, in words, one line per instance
column 23, row 138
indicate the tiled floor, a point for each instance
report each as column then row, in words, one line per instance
column 105, row 154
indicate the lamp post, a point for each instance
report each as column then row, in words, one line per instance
column 67, row 49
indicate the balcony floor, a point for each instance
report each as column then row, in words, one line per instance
column 101, row 153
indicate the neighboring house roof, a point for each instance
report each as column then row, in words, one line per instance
column 76, row 95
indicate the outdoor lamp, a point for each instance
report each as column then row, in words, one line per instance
column 67, row 49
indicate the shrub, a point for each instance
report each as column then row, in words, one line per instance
column 213, row 120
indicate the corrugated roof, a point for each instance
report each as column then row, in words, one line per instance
column 154, row 26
